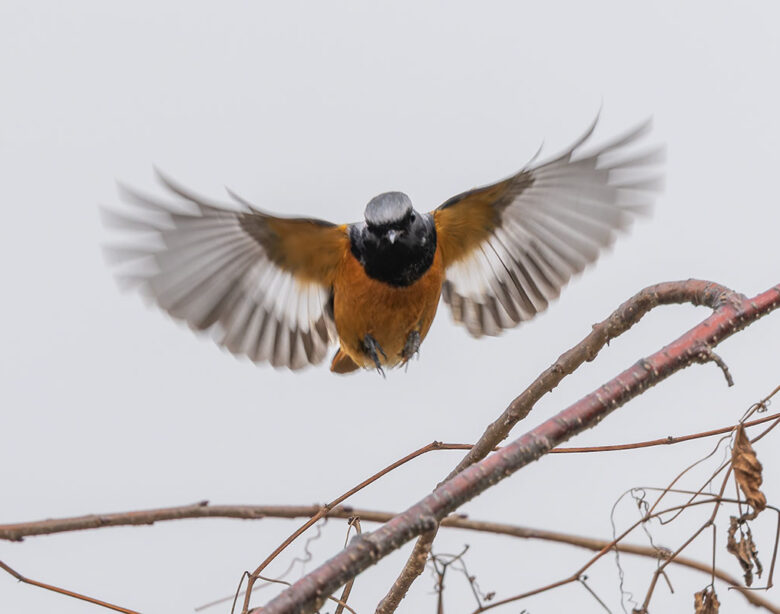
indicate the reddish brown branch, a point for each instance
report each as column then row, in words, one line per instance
column 732, row 313
column 693, row 291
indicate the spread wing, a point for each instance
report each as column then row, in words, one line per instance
column 510, row 247
column 261, row 284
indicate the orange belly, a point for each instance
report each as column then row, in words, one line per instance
column 364, row 306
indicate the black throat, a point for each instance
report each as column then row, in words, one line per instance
column 398, row 264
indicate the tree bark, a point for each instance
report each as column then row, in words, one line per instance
column 695, row 346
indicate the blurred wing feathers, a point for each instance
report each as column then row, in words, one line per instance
column 510, row 247
column 260, row 283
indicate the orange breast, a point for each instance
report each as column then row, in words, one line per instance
column 364, row 306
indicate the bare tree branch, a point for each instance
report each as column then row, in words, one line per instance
column 732, row 313
column 203, row 509
column 256, row 512
column 696, row 292
column 693, row 291
column 414, row 566
column 255, row 575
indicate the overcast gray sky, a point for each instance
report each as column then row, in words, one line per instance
column 314, row 108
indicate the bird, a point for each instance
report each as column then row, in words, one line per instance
column 283, row 290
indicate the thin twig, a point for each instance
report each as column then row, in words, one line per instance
column 64, row 591
column 353, row 522
column 665, row 556
column 617, row 544
column 708, row 523
column 665, row 441
column 583, row 580
column 436, row 561
column 435, row 445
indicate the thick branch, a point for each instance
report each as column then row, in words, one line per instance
column 731, row 315
column 414, row 566
column 693, row 291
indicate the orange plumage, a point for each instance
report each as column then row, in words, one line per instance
column 364, row 306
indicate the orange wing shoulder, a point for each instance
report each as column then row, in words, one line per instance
column 308, row 249
column 467, row 220
column 261, row 283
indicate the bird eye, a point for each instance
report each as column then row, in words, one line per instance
column 412, row 217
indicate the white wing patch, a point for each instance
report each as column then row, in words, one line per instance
column 196, row 262
column 551, row 230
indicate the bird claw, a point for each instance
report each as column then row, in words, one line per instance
column 371, row 347
column 411, row 347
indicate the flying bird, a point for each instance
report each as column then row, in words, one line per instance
column 282, row 290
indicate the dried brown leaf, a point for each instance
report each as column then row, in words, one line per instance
column 744, row 550
column 747, row 471
column 706, row 601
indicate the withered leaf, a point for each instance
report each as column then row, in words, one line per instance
column 706, row 602
column 744, row 550
column 747, row 471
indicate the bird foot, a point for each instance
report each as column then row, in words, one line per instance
column 411, row 347
column 372, row 349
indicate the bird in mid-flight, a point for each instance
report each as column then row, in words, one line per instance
column 282, row 290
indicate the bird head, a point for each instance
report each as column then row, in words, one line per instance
column 390, row 217
column 396, row 244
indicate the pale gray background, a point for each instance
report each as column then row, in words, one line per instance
column 314, row 108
